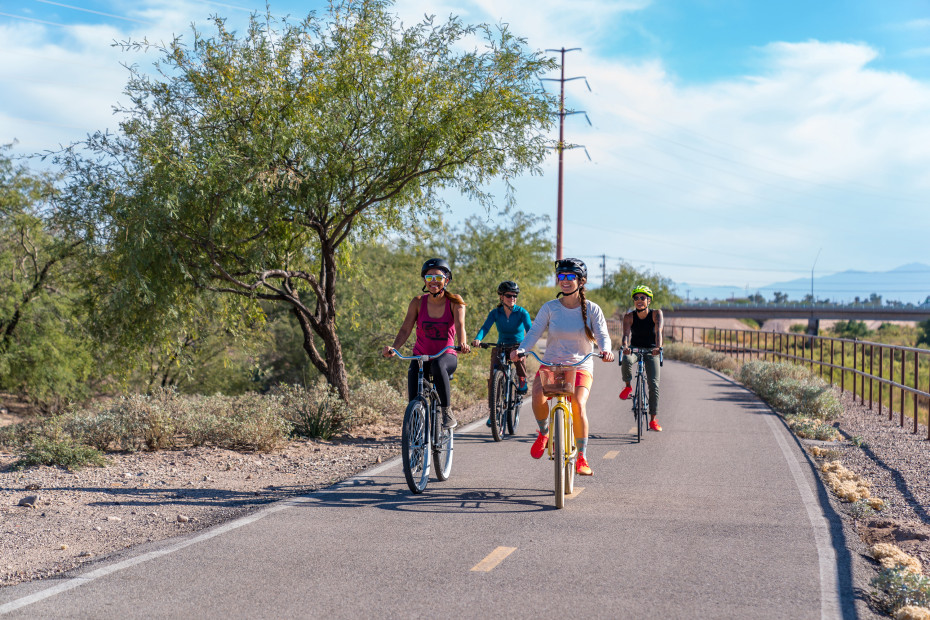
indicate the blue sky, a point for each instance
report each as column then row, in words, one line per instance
column 734, row 142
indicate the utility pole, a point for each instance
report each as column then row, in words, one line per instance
column 603, row 270
column 561, row 146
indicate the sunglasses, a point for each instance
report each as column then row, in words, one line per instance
column 434, row 277
column 566, row 276
column 510, row 295
column 640, row 297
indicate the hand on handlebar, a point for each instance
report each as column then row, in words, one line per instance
column 387, row 352
column 607, row 356
column 476, row 343
column 516, row 355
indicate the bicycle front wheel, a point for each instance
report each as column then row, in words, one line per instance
column 558, row 454
column 415, row 446
column 640, row 408
column 442, row 443
column 498, row 405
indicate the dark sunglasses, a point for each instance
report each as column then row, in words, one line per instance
column 566, row 276
column 510, row 295
column 640, row 297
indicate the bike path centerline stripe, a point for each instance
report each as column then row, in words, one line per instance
column 632, row 431
column 612, row 454
column 493, row 559
column 575, row 493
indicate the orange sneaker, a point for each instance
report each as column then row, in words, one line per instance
column 581, row 466
column 625, row 393
column 654, row 426
column 539, row 446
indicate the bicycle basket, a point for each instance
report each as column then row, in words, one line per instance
column 557, row 380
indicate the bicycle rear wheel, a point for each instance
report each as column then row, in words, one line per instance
column 558, row 455
column 498, row 404
column 640, row 408
column 442, row 444
column 415, row 445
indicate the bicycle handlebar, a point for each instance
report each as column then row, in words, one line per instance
column 640, row 350
column 578, row 363
column 424, row 358
column 488, row 345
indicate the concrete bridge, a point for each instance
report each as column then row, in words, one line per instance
column 814, row 313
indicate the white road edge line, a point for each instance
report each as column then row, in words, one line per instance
column 829, row 580
column 75, row 582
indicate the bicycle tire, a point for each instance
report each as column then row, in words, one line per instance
column 558, row 453
column 415, row 445
column 571, row 456
column 498, row 404
column 442, row 446
column 640, row 408
column 513, row 412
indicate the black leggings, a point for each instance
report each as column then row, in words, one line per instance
column 440, row 369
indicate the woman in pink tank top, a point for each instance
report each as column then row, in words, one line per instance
column 439, row 319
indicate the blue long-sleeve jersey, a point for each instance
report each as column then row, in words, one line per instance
column 509, row 330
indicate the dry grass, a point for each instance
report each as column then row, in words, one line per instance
column 701, row 357
column 912, row 612
column 890, row 556
column 848, row 486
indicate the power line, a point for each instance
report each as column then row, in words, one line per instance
column 77, row 8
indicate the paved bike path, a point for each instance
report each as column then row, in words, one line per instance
column 706, row 519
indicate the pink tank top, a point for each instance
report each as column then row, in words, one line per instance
column 434, row 334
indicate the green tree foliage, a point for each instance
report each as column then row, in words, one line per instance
column 44, row 353
column 619, row 283
column 249, row 163
column 851, row 329
column 923, row 333
column 779, row 298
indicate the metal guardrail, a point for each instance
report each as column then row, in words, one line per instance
column 869, row 367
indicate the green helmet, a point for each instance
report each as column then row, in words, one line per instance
column 641, row 288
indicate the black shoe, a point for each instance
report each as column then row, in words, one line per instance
column 448, row 420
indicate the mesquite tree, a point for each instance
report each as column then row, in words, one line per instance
column 249, row 165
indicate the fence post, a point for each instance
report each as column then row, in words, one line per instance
column 820, row 354
column 881, row 376
column 903, row 391
column 855, row 342
column 843, row 367
column 871, row 372
column 916, row 383
column 832, row 363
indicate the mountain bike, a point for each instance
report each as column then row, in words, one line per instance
column 640, row 392
column 558, row 382
column 422, row 433
column 503, row 399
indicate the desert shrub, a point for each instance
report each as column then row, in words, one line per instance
column 791, row 389
column 860, row 509
column 809, row 428
column 902, row 587
column 130, row 423
column 250, row 422
column 375, row 401
column 700, row 356
column 912, row 612
column 314, row 412
column 64, row 454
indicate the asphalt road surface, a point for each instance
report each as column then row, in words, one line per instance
column 718, row 516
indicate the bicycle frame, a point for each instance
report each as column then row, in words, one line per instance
column 433, row 438
column 511, row 401
column 640, row 393
column 561, row 448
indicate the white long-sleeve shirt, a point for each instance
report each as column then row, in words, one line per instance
column 567, row 341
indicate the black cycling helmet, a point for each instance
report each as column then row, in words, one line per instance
column 572, row 265
column 437, row 263
column 508, row 286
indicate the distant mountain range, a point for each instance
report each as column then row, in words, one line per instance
column 907, row 283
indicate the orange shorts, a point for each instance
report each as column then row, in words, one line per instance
column 582, row 378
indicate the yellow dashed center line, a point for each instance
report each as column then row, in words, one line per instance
column 612, row 454
column 632, row 431
column 575, row 494
column 493, row 559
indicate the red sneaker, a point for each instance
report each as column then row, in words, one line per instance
column 581, row 466
column 654, row 426
column 625, row 393
column 539, row 446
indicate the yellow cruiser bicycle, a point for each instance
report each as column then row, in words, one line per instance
column 558, row 384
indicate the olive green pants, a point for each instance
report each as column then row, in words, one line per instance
column 651, row 364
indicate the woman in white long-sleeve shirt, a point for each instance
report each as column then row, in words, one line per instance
column 575, row 325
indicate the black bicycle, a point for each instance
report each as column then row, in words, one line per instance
column 640, row 392
column 503, row 398
column 422, row 433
